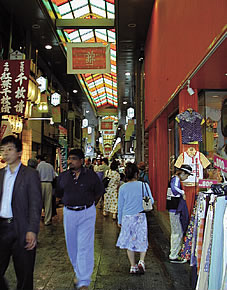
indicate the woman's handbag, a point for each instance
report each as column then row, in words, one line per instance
column 147, row 204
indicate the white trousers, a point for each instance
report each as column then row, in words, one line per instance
column 79, row 229
column 176, row 235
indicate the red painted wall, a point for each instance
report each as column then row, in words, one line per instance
column 179, row 35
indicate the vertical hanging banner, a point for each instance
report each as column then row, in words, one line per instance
column 88, row 58
column 14, row 77
column 64, row 148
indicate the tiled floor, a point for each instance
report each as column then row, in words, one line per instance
column 54, row 271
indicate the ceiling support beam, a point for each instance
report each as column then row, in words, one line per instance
column 84, row 23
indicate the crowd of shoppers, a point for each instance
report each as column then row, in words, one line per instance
column 26, row 189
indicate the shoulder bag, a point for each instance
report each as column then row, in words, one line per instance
column 147, row 204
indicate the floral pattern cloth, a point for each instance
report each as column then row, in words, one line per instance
column 187, row 243
column 111, row 195
column 133, row 235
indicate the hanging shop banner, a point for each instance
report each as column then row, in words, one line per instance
column 220, row 162
column 14, row 77
column 88, row 58
column 63, row 150
column 56, row 114
column 130, row 129
column 106, row 126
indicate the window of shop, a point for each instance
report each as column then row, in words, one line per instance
column 173, row 140
column 213, row 107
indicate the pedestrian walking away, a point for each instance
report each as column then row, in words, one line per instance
column 80, row 189
column 132, row 220
column 20, row 210
column 47, row 175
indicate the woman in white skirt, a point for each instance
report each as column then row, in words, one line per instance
column 132, row 220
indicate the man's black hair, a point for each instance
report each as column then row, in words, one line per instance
column 12, row 139
column 77, row 152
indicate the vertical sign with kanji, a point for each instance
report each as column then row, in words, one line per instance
column 14, row 78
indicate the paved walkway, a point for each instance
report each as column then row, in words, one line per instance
column 53, row 270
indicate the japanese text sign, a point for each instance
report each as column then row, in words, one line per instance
column 88, row 58
column 220, row 162
column 14, row 78
column 106, row 126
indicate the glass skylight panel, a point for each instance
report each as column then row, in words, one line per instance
column 110, row 7
column 78, row 4
column 113, row 68
column 98, row 11
column 101, row 36
column 65, row 8
column 74, row 34
column 108, row 82
column 68, row 16
column 113, row 53
column 110, row 15
column 91, row 85
column 81, row 12
column 101, row 90
column 98, row 3
column 111, row 34
column 87, row 36
column 98, row 82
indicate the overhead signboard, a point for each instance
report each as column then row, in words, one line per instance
column 85, row 58
column 55, row 99
column 106, row 126
column 42, row 84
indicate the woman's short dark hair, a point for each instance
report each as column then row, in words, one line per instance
column 130, row 170
column 105, row 160
column 114, row 165
column 12, row 139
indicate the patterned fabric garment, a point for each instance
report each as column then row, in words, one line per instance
column 187, row 244
column 133, row 235
column 111, row 196
column 193, row 261
column 190, row 124
column 200, row 231
column 202, row 282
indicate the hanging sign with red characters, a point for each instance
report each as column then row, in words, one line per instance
column 14, row 77
column 85, row 58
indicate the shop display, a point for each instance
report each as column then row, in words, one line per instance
column 190, row 123
column 196, row 160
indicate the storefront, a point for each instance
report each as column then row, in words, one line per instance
column 185, row 68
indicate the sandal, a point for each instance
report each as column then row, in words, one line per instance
column 141, row 266
column 134, row 269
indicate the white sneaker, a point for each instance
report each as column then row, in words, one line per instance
column 141, row 266
column 134, row 270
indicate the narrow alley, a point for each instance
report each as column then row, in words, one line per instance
column 53, row 270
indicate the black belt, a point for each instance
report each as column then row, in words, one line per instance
column 46, row 181
column 77, row 208
column 6, row 220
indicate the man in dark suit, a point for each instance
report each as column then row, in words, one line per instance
column 20, row 210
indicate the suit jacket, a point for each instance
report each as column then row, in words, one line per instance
column 26, row 201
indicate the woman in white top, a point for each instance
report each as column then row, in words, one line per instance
column 131, row 218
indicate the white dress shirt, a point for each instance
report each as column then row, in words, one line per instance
column 8, row 184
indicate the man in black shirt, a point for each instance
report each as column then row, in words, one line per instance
column 80, row 189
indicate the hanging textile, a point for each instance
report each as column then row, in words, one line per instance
column 203, row 277
column 216, row 266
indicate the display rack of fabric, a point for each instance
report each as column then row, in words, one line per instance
column 205, row 243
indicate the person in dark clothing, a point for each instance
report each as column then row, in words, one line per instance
column 20, row 210
column 178, row 212
column 80, row 189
